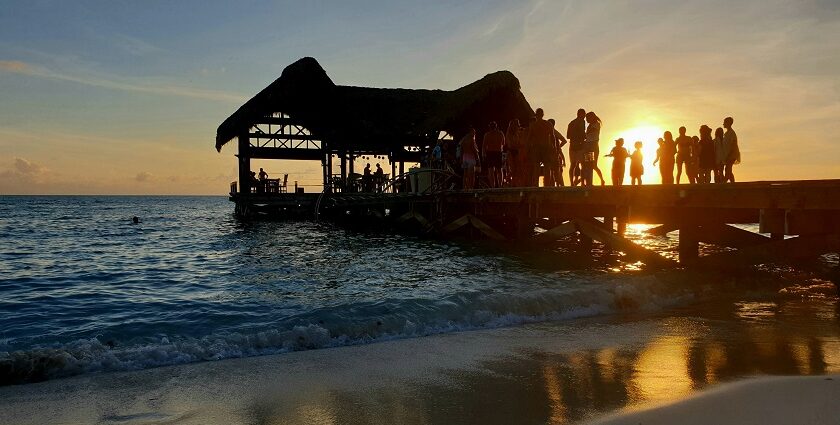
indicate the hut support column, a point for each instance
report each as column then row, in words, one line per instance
column 343, row 170
column 244, row 165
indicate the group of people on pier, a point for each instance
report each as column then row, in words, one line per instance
column 521, row 154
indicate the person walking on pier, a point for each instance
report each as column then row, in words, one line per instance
column 720, row 155
column 576, row 134
column 469, row 158
column 619, row 155
column 730, row 146
column 707, row 154
column 593, row 134
column 683, row 153
column 637, row 167
column 492, row 145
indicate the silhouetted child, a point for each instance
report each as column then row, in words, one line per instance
column 619, row 155
column 637, row 167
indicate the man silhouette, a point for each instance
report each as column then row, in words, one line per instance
column 576, row 134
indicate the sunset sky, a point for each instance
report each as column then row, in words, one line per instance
column 124, row 97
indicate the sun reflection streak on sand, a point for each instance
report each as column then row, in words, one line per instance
column 661, row 372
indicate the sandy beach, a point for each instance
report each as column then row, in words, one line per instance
column 557, row 373
column 765, row 400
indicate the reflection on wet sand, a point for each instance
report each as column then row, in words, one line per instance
column 690, row 353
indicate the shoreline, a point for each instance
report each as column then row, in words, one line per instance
column 566, row 372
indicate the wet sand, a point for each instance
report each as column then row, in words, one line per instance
column 543, row 373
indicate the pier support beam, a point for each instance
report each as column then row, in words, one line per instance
column 244, row 164
column 689, row 245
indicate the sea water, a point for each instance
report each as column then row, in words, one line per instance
column 83, row 289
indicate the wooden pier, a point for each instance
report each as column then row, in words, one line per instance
column 304, row 115
column 797, row 219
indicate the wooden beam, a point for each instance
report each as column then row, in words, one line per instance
column 566, row 229
column 594, row 231
column 282, row 136
column 484, row 228
column 662, row 229
column 474, row 222
column 726, row 235
column 285, row 153
column 456, row 224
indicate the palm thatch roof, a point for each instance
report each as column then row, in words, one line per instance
column 377, row 119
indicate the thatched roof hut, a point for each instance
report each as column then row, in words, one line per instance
column 377, row 120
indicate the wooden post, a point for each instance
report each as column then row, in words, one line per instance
column 609, row 222
column 244, row 164
column 343, row 170
column 689, row 244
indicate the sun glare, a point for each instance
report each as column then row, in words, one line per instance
column 647, row 134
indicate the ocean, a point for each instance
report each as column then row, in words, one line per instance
column 84, row 290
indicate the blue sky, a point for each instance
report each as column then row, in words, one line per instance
column 125, row 97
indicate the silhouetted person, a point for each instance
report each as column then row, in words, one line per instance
column 733, row 152
column 707, row 154
column 255, row 182
column 513, row 142
column 135, row 220
column 619, row 155
column 720, row 155
column 576, row 134
column 693, row 165
column 378, row 177
column 593, row 135
column 367, row 179
column 263, row 175
column 437, row 155
column 637, row 166
column 560, row 163
column 492, row 145
column 469, row 158
column 683, row 152
column 527, row 152
column 666, row 159
column 541, row 143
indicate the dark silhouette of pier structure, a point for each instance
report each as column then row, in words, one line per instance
column 303, row 115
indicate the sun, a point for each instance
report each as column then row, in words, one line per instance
column 648, row 135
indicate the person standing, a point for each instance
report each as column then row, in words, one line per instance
column 637, row 167
column 666, row 158
column 619, row 155
column 491, row 146
column 469, row 158
column 541, row 143
column 720, row 155
column 576, row 134
column 733, row 153
column 683, row 153
column 512, row 145
column 593, row 134
column 707, row 154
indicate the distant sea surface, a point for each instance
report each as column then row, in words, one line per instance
column 83, row 289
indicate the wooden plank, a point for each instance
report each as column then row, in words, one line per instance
column 484, row 228
column 456, row 224
column 731, row 236
column 566, row 229
column 662, row 229
column 592, row 230
column 286, row 153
